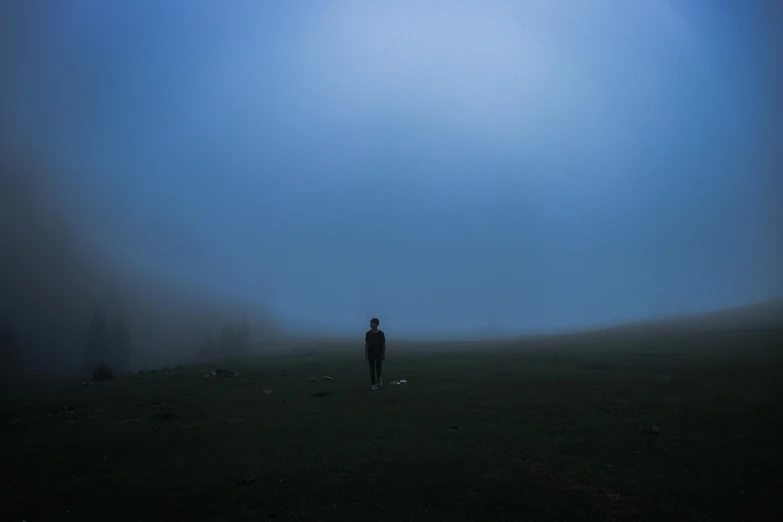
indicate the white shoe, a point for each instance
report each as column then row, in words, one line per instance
column 373, row 387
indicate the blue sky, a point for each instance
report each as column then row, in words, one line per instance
column 446, row 166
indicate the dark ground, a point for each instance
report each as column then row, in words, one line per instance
column 538, row 430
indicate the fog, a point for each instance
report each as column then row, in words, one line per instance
column 454, row 168
column 55, row 278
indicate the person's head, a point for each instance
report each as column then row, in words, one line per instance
column 374, row 322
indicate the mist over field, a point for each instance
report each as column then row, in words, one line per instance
column 567, row 216
column 476, row 169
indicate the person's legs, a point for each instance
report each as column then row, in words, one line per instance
column 372, row 371
column 378, row 365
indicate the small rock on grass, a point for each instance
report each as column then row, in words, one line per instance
column 245, row 480
column 220, row 372
column 326, row 378
column 322, row 394
column 267, row 392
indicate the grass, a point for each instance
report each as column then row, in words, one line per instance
column 543, row 430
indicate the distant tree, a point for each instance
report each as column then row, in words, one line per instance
column 97, row 341
column 120, row 344
column 243, row 336
column 234, row 338
column 102, row 373
column 8, row 348
column 209, row 348
column 226, row 339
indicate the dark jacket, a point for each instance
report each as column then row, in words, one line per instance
column 375, row 345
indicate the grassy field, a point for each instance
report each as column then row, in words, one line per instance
column 551, row 429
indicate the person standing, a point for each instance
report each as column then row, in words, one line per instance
column 375, row 352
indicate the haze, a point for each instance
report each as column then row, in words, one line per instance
column 454, row 168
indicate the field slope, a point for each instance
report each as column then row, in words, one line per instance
column 553, row 429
